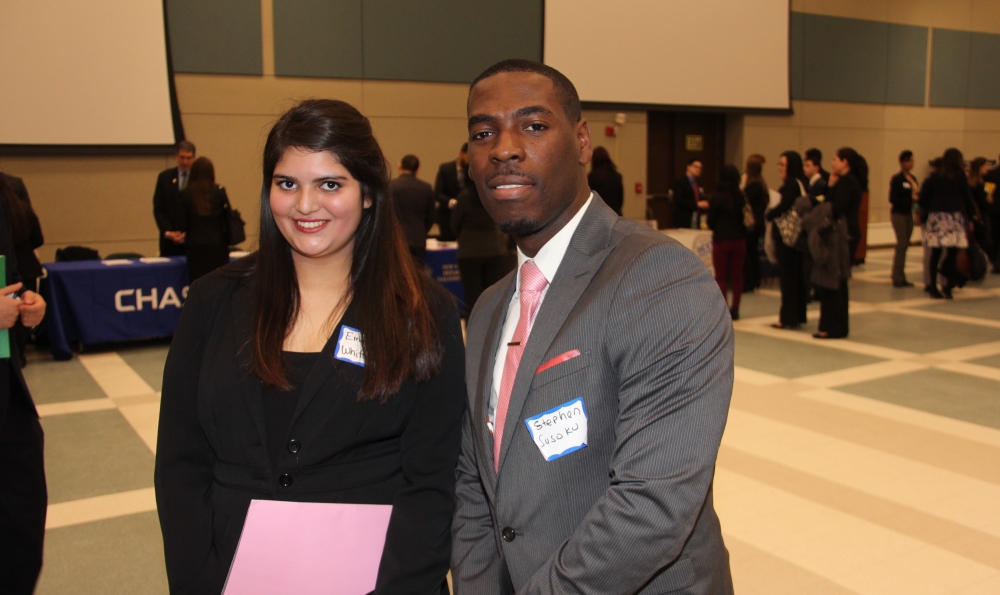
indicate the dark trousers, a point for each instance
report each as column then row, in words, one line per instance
column 169, row 248
column 727, row 258
column 23, row 499
column 751, row 264
column 902, row 224
column 794, row 289
column 833, row 311
column 478, row 274
column 202, row 260
column 947, row 265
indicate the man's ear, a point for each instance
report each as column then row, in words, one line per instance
column 583, row 137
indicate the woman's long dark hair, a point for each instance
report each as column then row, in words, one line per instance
column 400, row 336
column 601, row 159
column 18, row 212
column 857, row 163
column 729, row 187
column 952, row 164
column 201, row 183
column 793, row 167
column 755, row 174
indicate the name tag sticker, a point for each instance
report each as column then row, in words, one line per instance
column 561, row 430
column 906, row 185
column 349, row 346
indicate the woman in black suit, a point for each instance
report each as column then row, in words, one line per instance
column 26, row 235
column 206, row 244
column 325, row 367
column 845, row 190
column 605, row 180
column 483, row 257
column 757, row 196
column 791, row 270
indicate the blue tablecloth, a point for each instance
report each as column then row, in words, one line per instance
column 94, row 302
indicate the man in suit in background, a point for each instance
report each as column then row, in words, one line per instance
column 167, row 199
column 599, row 374
column 812, row 167
column 414, row 205
column 23, row 496
column 452, row 176
column 688, row 197
column 17, row 185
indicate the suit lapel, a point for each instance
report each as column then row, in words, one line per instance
column 586, row 253
column 251, row 387
column 484, row 388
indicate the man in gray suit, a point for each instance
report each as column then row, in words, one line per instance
column 599, row 374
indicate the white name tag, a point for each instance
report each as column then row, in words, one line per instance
column 349, row 346
column 559, row 431
column 906, row 185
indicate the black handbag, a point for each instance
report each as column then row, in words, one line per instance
column 235, row 232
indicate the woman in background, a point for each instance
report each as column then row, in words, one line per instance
column 325, row 367
column 483, row 258
column 26, row 236
column 206, row 243
column 947, row 202
column 605, row 180
column 729, row 235
column 755, row 190
column 791, row 271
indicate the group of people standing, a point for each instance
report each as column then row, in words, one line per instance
column 190, row 212
column 810, row 229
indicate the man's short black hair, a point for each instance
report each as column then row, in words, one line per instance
column 568, row 96
column 905, row 156
column 814, row 155
column 410, row 163
column 185, row 145
column 693, row 160
column 465, row 148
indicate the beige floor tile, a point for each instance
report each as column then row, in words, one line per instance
column 989, row 586
column 861, row 373
column 144, row 419
column 971, row 370
column 66, row 407
column 969, row 352
column 115, row 377
column 921, row 571
column 97, row 508
column 755, row 378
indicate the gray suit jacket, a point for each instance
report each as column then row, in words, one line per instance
column 632, row 511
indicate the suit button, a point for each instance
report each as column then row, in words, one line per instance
column 507, row 534
column 294, row 446
column 285, row 480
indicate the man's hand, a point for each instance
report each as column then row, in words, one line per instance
column 703, row 205
column 9, row 307
column 32, row 308
column 176, row 236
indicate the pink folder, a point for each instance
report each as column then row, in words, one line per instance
column 308, row 548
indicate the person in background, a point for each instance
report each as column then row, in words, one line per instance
column 483, row 257
column 729, row 235
column 947, row 201
column 688, row 195
column 206, row 242
column 991, row 180
column 920, row 218
column 844, row 190
column 978, row 168
column 324, row 367
column 414, row 200
column 26, row 236
column 817, row 176
column 17, row 185
column 903, row 190
column 23, row 494
column 452, row 176
column 167, row 199
column 791, row 270
column 605, row 180
column 755, row 190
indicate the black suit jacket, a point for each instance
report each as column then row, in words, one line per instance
column 685, row 203
column 17, row 185
column 478, row 236
column 607, row 183
column 13, row 389
column 447, row 186
column 212, row 458
column 414, row 200
column 168, row 210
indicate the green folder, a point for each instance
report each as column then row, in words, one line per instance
column 4, row 333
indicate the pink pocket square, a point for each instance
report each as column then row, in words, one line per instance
column 565, row 357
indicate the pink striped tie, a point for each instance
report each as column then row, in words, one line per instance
column 533, row 283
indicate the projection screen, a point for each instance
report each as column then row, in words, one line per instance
column 84, row 73
column 699, row 53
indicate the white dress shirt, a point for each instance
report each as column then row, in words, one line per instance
column 548, row 259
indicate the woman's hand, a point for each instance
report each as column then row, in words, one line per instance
column 833, row 179
column 9, row 307
column 32, row 308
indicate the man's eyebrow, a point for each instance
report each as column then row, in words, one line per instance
column 532, row 110
column 481, row 119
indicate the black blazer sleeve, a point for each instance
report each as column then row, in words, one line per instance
column 7, row 247
column 789, row 192
column 417, row 550
column 161, row 203
column 185, row 460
